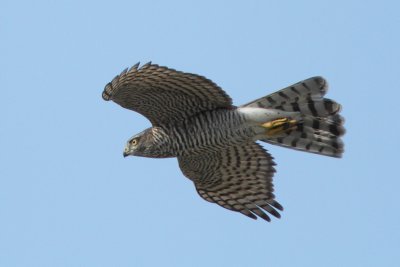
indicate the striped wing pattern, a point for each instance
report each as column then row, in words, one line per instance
column 238, row 178
column 164, row 95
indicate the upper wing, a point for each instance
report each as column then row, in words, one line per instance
column 238, row 178
column 164, row 95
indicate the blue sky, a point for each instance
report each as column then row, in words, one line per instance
column 69, row 198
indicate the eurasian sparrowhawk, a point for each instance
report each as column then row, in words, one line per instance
column 194, row 120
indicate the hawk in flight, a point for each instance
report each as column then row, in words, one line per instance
column 194, row 120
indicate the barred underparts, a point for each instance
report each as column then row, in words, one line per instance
column 194, row 120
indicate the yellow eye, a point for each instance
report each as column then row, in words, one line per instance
column 134, row 142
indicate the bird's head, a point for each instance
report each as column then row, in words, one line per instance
column 137, row 144
column 144, row 145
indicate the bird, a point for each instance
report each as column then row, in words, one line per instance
column 216, row 143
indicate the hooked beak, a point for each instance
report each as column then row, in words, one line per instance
column 127, row 151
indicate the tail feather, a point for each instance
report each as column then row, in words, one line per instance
column 321, row 140
column 319, row 128
column 332, row 148
column 312, row 89
column 318, row 108
column 322, row 126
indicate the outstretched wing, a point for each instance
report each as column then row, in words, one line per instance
column 238, row 178
column 164, row 95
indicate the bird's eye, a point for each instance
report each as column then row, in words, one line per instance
column 134, row 142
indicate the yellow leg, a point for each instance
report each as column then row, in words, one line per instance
column 279, row 126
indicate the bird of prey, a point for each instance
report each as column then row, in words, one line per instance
column 194, row 120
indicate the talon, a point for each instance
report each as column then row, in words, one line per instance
column 279, row 126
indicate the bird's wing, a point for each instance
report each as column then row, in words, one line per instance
column 164, row 95
column 238, row 178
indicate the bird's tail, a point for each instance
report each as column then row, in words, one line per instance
column 318, row 126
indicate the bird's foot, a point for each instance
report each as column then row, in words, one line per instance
column 279, row 126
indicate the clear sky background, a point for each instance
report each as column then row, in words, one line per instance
column 69, row 198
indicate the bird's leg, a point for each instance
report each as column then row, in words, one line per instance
column 279, row 126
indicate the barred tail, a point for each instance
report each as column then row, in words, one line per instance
column 319, row 127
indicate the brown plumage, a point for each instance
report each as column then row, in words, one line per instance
column 194, row 120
